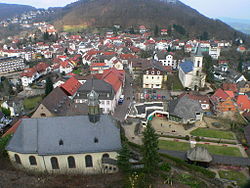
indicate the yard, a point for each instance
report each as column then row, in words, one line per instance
column 31, row 103
column 222, row 150
column 212, row 133
column 174, row 83
column 233, row 175
column 176, row 146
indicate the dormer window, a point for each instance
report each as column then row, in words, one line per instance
column 60, row 142
column 147, row 72
column 95, row 140
column 158, row 72
column 153, row 72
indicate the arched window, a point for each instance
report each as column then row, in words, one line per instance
column 71, row 162
column 17, row 159
column 54, row 163
column 43, row 115
column 32, row 160
column 88, row 161
column 105, row 155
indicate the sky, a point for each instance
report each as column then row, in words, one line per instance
column 211, row 8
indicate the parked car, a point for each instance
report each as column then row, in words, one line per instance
column 121, row 99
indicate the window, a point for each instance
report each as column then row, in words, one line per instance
column 153, row 72
column 43, row 115
column 71, row 162
column 105, row 155
column 158, row 72
column 17, row 159
column 152, row 77
column 32, row 160
column 198, row 64
column 54, row 163
column 147, row 72
column 95, row 140
column 88, row 161
column 108, row 102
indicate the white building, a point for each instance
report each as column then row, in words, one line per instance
column 214, row 52
column 190, row 72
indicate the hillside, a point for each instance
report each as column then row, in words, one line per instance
column 106, row 13
column 238, row 24
column 11, row 10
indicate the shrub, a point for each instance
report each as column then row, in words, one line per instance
column 187, row 137
column 197, row 138
column 165, row 167
column 3, row 143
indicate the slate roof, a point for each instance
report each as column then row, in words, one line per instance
column 101, row 87
column 57, row 101
column 184, row 107
column 78, row 134
column 187, row 66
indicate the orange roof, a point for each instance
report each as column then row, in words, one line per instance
column 230, row 93
column 114, row 78
column 71, row 86
column 243, row 102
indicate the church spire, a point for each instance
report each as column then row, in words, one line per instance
column 93, row 107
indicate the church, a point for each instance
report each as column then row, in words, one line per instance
column 67, row 145
column 190, row 72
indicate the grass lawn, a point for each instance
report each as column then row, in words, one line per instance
column 233, row 175
column 212, row 133
column 171, row 145
column 31, row 103
column 174, row 83
column 78, row 71
column 222, row 150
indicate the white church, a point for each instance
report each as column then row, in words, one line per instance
column 190, row 72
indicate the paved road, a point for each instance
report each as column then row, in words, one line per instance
column 121, row 110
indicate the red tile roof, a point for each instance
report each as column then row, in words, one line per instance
column 14, row 127
column 243, row 102
column 114, row 78
column 230, row 93
column 71, row 86
column 230, row 87
column 219, row 94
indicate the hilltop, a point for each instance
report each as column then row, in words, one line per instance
column 127, row 13
column 11, row 10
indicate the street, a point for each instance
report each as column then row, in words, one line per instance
column 122, row 109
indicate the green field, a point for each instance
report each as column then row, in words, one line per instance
column 31, row 103
column 233, row 175
column 174, row 83
column 212, row 133
column 222, row 150
column 171, row 145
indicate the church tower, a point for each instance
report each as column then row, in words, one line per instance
column 198, row 58
column 93, row 107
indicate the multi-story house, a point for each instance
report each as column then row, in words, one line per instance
column 154, row 75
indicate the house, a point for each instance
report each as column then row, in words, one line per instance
column 223, row 102
column 154, row 75
column 66, row 67
column 230, row 87
column 164, row 32
column 167, row 59
column 11, row 64
column 67, row 145
column 214, row 51
column 106, row 94
column 142, row 29
column 185, row 110
column 54, row 104
column 241, row 49
column 243, row 87
column 190, row 72
column 243, row 103
column 71, row 86
column 202, row 99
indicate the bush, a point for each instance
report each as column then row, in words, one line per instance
column 3, row 143
column 6, row 111
column 187, row 137
column 197, row 139
column 165, row 167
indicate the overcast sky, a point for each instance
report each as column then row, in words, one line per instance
column 210, row 8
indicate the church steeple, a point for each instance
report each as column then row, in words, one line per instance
column 93, row 107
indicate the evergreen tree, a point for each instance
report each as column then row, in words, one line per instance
column 48, row 86
column 123, row 158
column 240, row 64
column 156, row 31
column 46, row 36
column 151, row 156
column 169, row 49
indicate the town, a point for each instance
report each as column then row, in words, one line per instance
column 74, row 102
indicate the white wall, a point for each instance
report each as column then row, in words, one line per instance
column 44, row 163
